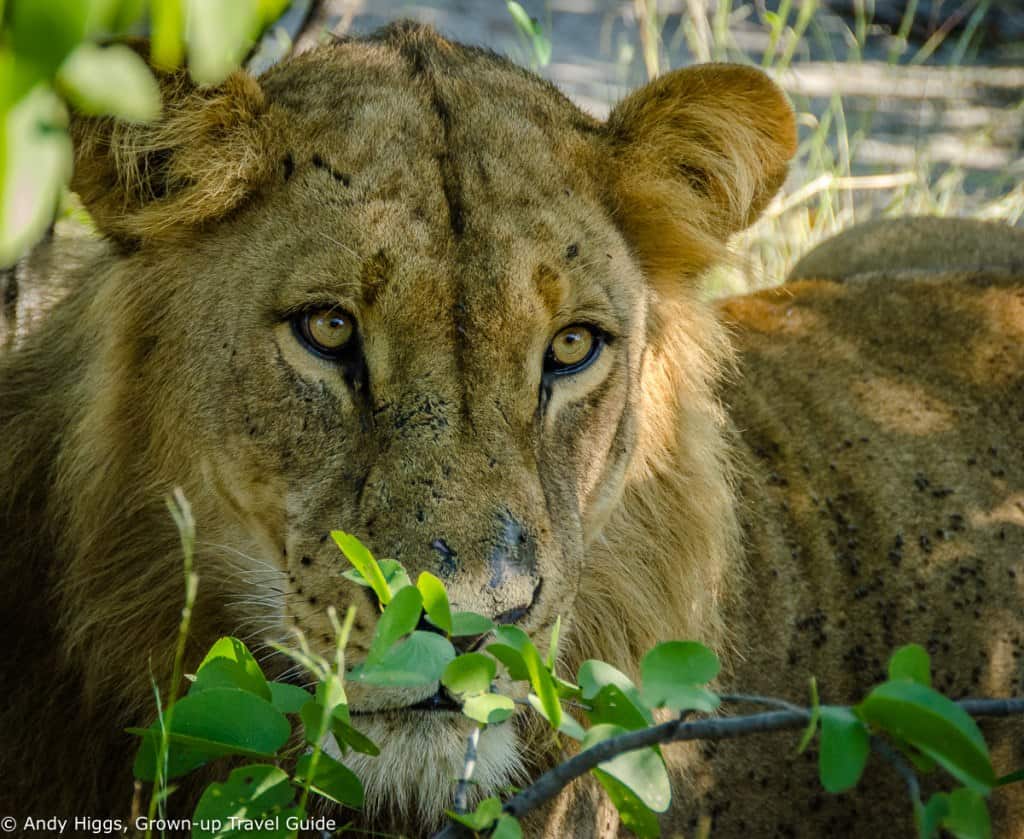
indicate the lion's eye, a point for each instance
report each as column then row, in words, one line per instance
column 327, row 332
column 573, row 349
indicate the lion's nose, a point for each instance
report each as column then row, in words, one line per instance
column 514, row 553
column 504, row 565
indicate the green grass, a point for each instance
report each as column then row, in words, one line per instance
column 824, row 194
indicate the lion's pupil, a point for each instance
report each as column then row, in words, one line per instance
column 573, row 345
column 330, row 329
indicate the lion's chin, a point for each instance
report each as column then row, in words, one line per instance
column 422, row 754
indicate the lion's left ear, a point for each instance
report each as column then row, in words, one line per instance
column 206, row 153
column 697, row 154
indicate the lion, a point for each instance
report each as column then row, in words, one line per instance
column 404, row 287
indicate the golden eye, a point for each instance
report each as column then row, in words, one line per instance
column 572, row 349
column 326, row 332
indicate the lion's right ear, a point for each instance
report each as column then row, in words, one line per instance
column 196, row 162
column 696, row 155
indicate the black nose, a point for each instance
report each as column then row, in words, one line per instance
column 514, row 553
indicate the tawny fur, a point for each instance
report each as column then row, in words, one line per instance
column 736, row 474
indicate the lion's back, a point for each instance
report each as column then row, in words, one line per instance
column 928, row 244
column 882, row 424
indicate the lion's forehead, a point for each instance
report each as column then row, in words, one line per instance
column 401, row 120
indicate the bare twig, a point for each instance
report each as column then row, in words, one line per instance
column 896, row 759
column 548, row 785
column 461, row 801
column 552, row 782
column 768, row 701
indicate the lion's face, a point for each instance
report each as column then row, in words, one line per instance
column 417, row 313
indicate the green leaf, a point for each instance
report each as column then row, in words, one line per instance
column 258, row 792
column 934, row 725
column 271, row 10
column 122, row 17
column 595, row 675
column 845, row 743
column 188, row 753
column 469, row 674
column 331, row 694
column 35, row 163
column 924, row 765
column 331, row 779
column 671, row 672
column 219, row 35
column 435, row 601
column 395, row 575
column 613, row 706
column 567, row 690
column 553, row 644
column 348, row 736
column 513, row 636
column 568, row 726
column 812, row 723
column 928, row 818
column 45, row 31
column 968, row 815
column 167, row 33
column 507, row 828
column 230, row 664
column 642, row 770
column 314, row 722
column 486, row 813
column 521, row 18
column 288, row 699
column 399, row 619
column 18, row 76
column 391, row 569
column 511, row 659
column 543, row 685
column 362, row 560
column 226, row 720
column 1011, row 778
column 692, row 698
column 488, row 708
column 110, row 81
column 418, row 660
column 221, row 673
column 509, row 646
column 634, row 814
column 470, row 623
column 911, row 662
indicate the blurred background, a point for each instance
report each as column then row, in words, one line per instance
column 904, row 106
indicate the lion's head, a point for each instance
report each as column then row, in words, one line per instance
column 404, row 288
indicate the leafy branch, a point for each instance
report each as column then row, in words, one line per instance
column 232, row 710
column 552, row 782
